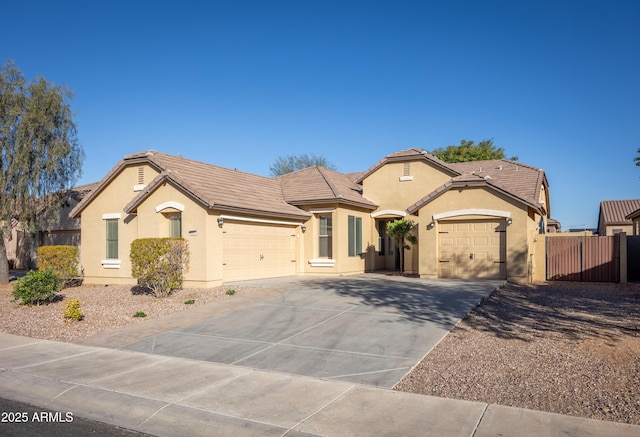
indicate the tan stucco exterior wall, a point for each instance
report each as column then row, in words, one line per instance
column 344, row 264
column 199, row 229
column 111, row 200
column 391, row 191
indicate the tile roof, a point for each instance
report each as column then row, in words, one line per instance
column 615, row 212
column 518, row 180
column 522, row 180
column 212, row 185
column 466, row 181
column 409, row 155
column 319, row 184
column 232, row 190
column 79, row 192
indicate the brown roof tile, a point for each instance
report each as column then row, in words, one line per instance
column 522, row 180
column 314, row 184
column 212, row 185
column 615, row 212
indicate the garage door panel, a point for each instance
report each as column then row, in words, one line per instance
column 478, row 249
column 253, row 251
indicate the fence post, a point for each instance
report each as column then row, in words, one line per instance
column 622, row 244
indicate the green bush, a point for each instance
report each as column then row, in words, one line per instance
column 189, row 302
column 140, row 314
column 63, row 260
column 230, row 292
column 37, row 287
column 159, row 263
column 72, row 311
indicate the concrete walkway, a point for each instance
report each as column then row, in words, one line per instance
column 168, row 396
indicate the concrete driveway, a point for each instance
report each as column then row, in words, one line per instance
column 367, row 329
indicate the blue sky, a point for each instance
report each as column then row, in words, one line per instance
column 239, row 83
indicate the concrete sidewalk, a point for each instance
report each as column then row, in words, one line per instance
column 175, row 396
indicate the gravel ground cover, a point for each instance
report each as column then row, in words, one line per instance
column 566, row 348
column 104, row 308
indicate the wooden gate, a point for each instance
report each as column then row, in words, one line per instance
column 583, row 259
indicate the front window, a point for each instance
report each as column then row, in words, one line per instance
column 325, row 237
column 355, row 236
column 112, row 238
column 175, row 225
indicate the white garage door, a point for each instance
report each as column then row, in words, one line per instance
column 472, row 249
column 256, row 250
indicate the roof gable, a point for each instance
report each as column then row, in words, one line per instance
column 521, row 180
column 411, row 154
column 319, row 184
column 470, row 181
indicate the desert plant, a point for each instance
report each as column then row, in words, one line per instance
column 63, row 260
column 189, row 302
column 37, row 287
column 72, row 312
column 231, row 292
column 159, row 263
column 140, row 314
column 400, row 232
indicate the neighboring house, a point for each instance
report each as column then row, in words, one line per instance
column 54, row 227
column 553, row 226
column 612, row 218
column 473, row 220
column 635, row 221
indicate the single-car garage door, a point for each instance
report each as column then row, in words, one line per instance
column 472, row 249
column 257, row 250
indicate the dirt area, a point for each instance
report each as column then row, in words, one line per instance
column 566, row 348
column 105, row 307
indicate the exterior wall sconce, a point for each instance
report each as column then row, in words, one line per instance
column 431, row 225
column 303, row 228
column 220, row 221
column 509, row 221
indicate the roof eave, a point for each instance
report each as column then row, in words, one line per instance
column 367, row 205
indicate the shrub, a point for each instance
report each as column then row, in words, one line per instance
column 63, row 260
column 231, row 292
column 72, row 311
column 37, row 287
column 189, row 302
column 140, row 314
column 159, row 263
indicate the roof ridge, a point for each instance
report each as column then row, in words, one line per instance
column 329, row 184
column 207, row 164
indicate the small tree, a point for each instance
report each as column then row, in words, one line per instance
column 400, row 232
column 291, row 163
column 469, row 151
column 40, row 155
column 159, row 263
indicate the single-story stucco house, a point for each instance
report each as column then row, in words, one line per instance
column 474, row 220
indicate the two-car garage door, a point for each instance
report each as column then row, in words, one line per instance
column 472, row 249
column 257, row 250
